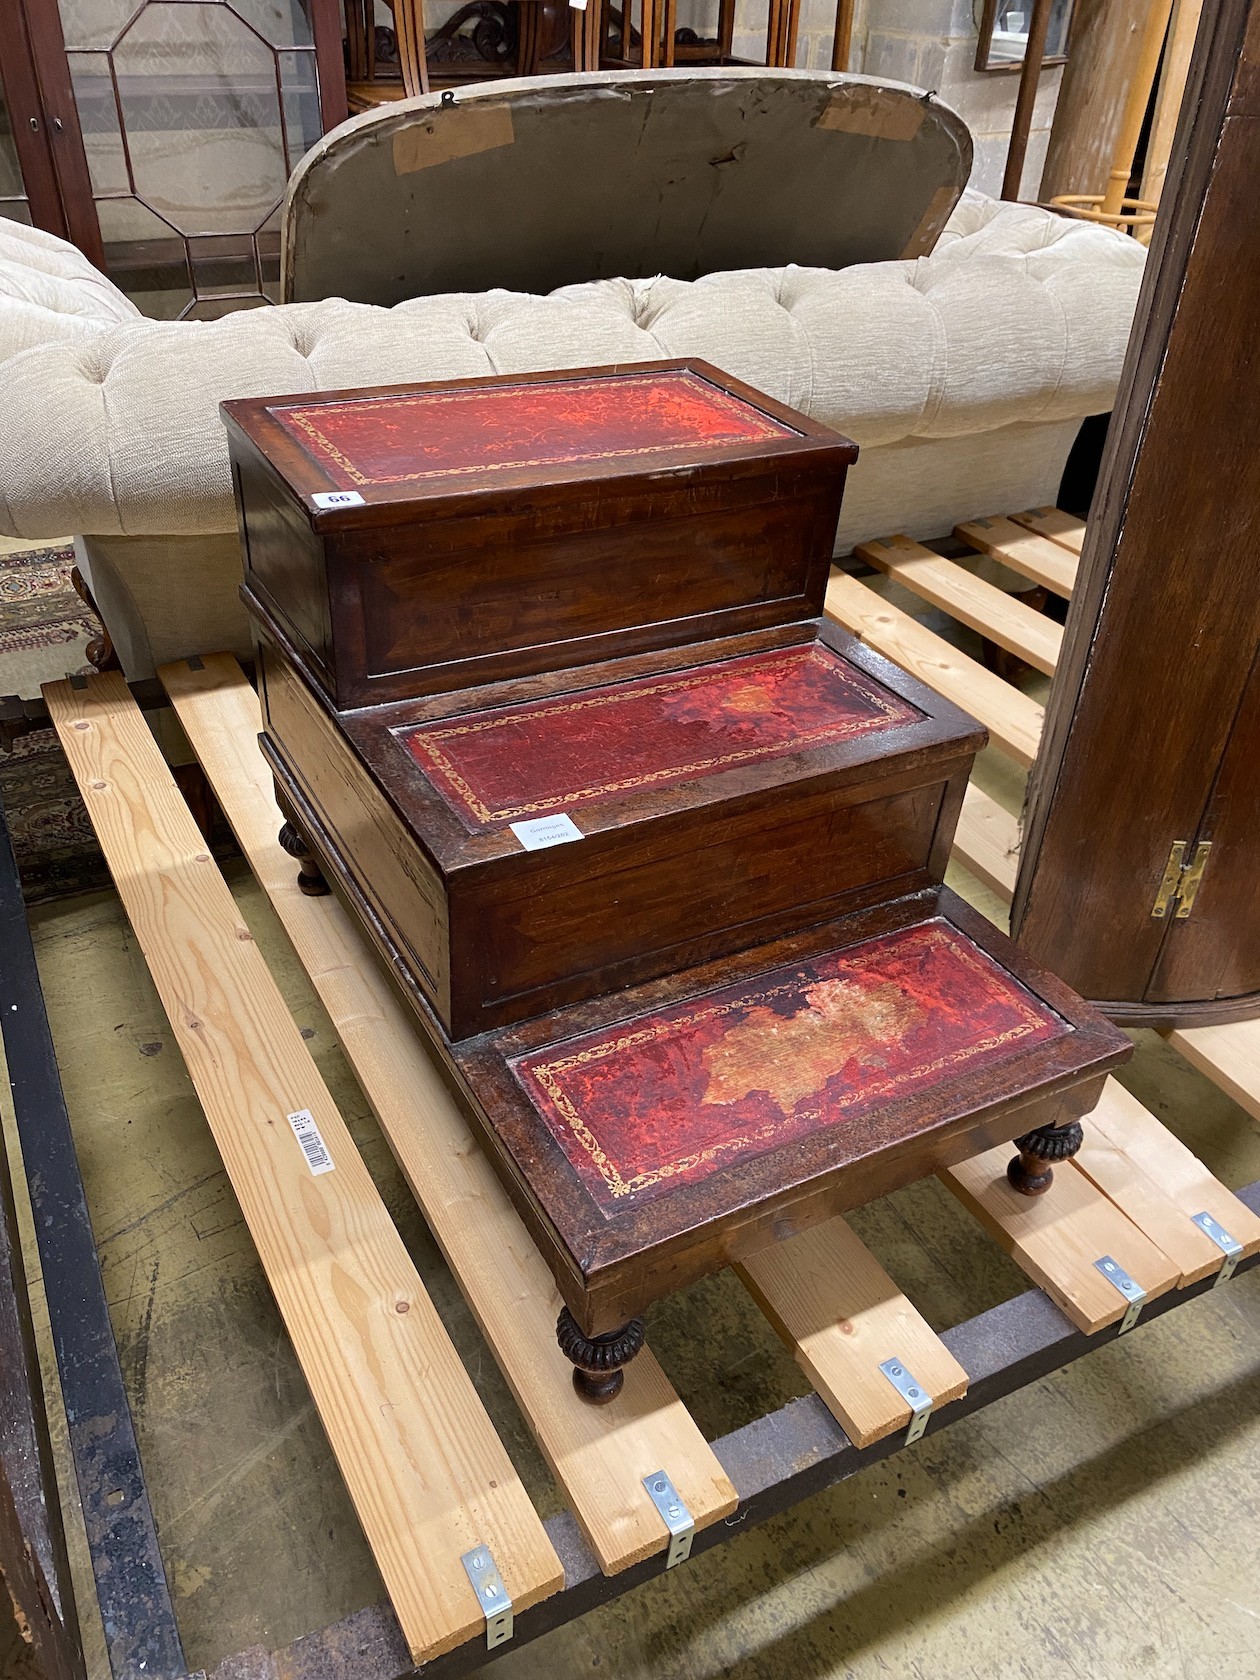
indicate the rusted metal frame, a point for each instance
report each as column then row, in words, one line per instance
column 775, row 1462
column 135, row 1603
column 34, row 1565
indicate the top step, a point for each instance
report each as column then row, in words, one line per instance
column 412, row 539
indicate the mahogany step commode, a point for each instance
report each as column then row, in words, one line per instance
column 654, row 853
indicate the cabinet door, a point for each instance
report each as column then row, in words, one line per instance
column 1214, row 950
column 1150, row 732
column 193, row 114
column 43, row 172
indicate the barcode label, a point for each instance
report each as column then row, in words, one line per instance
column 337, row 498
column 313, row 1146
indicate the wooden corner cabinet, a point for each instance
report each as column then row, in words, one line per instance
column 1139, row 881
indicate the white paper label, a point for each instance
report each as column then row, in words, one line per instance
column 337, row 498
column 546, row 831
column 577, row 5
column 313, row 1146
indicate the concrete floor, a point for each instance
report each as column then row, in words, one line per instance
column 1105, row 1522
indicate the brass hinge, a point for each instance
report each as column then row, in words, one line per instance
column 1181, row 880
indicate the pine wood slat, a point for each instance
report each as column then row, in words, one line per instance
column 1161, row 1184
column 841, row 1314
column 1012, row 719
column 1052, row 522
column 986, row 842
column 598, row 1454
column 1229, row 1056
column 1044, row 561
column 1056, row 1238
column 983, row 607
column 428, row 1475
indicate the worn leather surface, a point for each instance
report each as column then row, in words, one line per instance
column 672, row 1097
column 471, row 433
column 521, row 762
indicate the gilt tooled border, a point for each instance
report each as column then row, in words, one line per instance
column 548, row 1074
column 424, row 738
column 300, row 418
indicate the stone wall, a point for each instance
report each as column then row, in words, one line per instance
column 931, row 43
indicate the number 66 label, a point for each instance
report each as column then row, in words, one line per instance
column 337, row 499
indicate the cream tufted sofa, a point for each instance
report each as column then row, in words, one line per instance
column 963, row 375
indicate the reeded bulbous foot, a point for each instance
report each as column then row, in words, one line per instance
column 1031, row 1172
column 310, row 876
column 598, row 1360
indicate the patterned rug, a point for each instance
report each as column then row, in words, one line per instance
column 44, row 629
column 44, row 626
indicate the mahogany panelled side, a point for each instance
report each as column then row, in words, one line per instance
column 1153, row 730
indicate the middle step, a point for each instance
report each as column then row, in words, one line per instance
column 546, row 840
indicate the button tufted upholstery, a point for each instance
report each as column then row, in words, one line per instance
column 962, row 375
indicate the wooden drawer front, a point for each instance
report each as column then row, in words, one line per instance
column 740, row 883
column 491, row 603
column 388, row 867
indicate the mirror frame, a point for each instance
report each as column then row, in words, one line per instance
column 984, row 43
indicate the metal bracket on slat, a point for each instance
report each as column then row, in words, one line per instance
column 1133, row 1292
column 487, row 1583
column 913, row 1393
column 1229, row 1246
column 674, row 1514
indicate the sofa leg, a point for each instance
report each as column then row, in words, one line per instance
column 100, row 650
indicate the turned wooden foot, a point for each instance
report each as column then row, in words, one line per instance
column 598, row 1360
column 1031, row 1172
column 310, row 875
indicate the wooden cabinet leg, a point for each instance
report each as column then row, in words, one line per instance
column 292, row 840
column 1031, row 1172
column 598, row 1360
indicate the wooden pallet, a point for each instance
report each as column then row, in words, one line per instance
column 387, row 1382
column 1044, row 545
column 839, row 1323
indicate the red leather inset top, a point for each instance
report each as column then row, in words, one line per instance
column 418, row 435
column 671, row 1097
column 543, row 756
